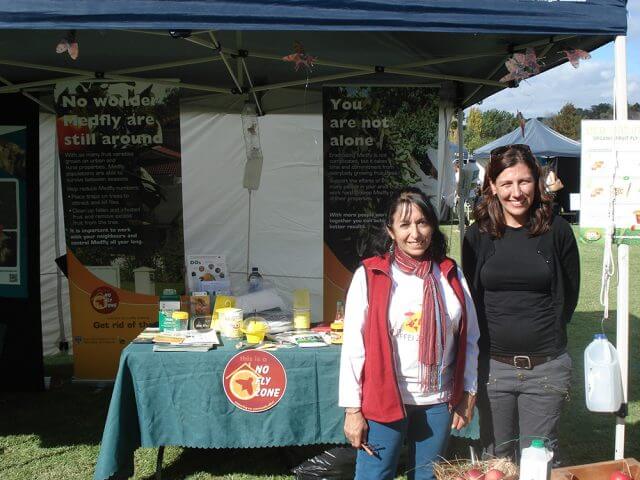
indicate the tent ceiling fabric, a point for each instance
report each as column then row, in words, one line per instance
column 343, row 58
column 543, row 141
column 539, row 17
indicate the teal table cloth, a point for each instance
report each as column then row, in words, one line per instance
column 177, row 398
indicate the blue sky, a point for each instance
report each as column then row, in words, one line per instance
column 590, row 84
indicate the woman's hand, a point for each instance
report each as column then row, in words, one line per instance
column 463, row 412
column 355, row 427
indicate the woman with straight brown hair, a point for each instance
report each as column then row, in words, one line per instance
column 523, row 270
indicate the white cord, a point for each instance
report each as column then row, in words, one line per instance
column 608, row 264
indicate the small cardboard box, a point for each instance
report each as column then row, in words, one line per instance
column 598, row 471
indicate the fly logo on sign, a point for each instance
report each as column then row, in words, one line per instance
column 104, row 300
column 254, row 381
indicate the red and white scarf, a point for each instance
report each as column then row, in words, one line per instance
column 432, row 321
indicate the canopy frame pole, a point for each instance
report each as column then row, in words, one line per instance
column 226, row 62
column 30, row 97
column 20, row 86
column 17, row 87
column 440, row 76
column 296, row 83
column 359, row 69
column 169, row 83
column 161, row 66
column 86, row 73
column 394, row 70
column 251, row 89
column 622, row 317
column 49, row 68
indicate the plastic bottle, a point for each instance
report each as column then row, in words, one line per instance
column 301, row 309
column 255, row 280
column 535, row 462
column 337, row 327
column 602, row 378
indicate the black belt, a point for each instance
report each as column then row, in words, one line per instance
column 523, row 361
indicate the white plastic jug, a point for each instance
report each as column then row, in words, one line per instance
column 602, row 378
column 535, row 462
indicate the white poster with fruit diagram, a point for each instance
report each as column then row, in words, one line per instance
column 610, row 180
column 207, row 273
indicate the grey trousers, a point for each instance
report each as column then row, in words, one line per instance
column 517, row 405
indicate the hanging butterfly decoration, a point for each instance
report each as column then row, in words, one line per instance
column 521, row 66
column 521, row 122
column 300, row 57
column 69, row 44
column 575, row 55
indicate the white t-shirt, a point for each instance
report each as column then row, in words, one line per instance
column 405, row 310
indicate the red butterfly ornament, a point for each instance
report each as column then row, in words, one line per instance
column 69, row 44
column 521, row 66
column 575, row 55
column 300, row 57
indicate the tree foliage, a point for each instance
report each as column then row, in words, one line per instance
column 484, row 127
column 567, row 121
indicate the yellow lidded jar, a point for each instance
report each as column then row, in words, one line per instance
column 337, row 329
column 180, row 320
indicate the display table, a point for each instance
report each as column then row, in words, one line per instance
column 177, row 398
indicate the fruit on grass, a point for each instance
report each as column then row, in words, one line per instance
column 494, row 474
column 620, row 475
column 475, row 474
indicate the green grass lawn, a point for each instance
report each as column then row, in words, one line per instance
column 56, row 434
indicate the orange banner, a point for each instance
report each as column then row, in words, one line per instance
column 104, row 320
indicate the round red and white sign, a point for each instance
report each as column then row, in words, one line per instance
column 254, row 381
column 104, row 299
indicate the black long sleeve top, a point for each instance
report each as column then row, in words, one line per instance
column 559, row 251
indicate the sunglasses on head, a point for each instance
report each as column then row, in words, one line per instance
column 498, row 151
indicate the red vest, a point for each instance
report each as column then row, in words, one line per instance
column 381, row 399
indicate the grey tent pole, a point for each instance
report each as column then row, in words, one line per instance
column 63, row 344
column 249, row 235
column 622, row 315
column 461, row 217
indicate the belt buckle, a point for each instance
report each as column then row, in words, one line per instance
column 522, row 361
